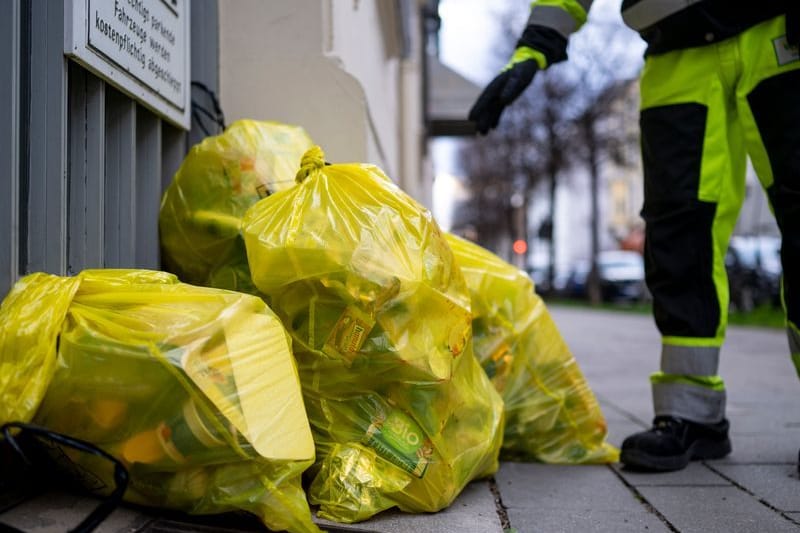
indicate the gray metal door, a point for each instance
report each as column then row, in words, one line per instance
column 82, row 166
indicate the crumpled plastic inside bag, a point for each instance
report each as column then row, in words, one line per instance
column 362, row 277
column 193, row 389
column 219, row 179
column 551, row 413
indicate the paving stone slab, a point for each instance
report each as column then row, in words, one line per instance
column 582, row 328
column 696, row 474
column 760, row 379
column 56, row 512
column 555, row 498
column 764, row 448
column 474, row 511
column 618, row 430
column 752, row 410
column 781, row 416
column 757, row 355
column 617, row 352
column 635, row 404
column 614, row 412
column 778, row 485
column 216, row 524
column 715, row 510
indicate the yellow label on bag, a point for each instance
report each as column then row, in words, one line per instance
column 349, row 333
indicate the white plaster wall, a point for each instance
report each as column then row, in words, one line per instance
column 416, row 169
column 361, row 34
column 333, row 67
column 272, row 67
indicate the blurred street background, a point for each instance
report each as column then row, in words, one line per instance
column 557, row 187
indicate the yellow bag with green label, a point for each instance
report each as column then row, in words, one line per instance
column 217, row 182
column 362, row 277
column 551, row 413
column 193, row 389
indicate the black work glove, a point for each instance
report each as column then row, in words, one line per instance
column 501, row 91
column 793, row 24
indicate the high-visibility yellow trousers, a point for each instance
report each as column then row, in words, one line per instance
column 703, row 110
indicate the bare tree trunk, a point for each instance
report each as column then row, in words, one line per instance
column 593, row 282
column 522, row 230
column 554, row 161
column 511, row 229
column 551, row 251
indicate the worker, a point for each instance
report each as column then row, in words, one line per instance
column 721, row 80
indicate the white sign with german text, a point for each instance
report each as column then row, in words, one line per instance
column 141, row 46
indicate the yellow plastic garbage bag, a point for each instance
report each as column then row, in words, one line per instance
column 193, row 389
column 362, row 277
column 551, row 413
column 217, row 182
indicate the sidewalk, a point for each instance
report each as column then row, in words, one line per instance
column 755, row 489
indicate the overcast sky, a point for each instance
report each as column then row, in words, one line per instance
column 469, row 33
column 467, row 42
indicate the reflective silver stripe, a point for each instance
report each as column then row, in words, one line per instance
column 691, row 402
column 794, row 340
column 647, row 12
column 554, row 18
column 690, row 360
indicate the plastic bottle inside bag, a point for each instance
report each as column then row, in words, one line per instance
column 189, row 436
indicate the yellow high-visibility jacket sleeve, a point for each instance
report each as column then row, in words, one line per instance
column 564, row 16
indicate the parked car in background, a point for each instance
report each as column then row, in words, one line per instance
column 621, row 277
column 754, row 272
column 538, row 275
column 752, row 263
column 541, row 280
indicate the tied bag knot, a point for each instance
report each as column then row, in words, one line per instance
column 313, row 160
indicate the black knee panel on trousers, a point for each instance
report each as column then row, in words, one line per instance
column 678, row 236
column 775, row 104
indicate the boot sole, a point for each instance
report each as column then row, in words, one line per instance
column 699, row 450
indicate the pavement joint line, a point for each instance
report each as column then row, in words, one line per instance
column 500, row 508
column 684, row 485
column 614, row 407
column 747, row 491
column 645, row 503
column 753, row 463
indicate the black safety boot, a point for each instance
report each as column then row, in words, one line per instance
column 672, row 442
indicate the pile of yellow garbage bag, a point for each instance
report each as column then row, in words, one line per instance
column 194, row 389
column 551, row 413
column 362, row 277
column 409, row 355
column 219, row 180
